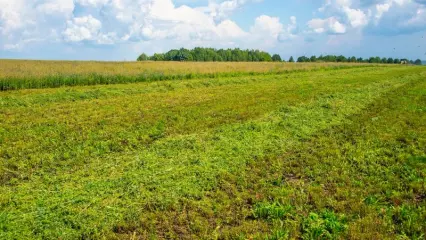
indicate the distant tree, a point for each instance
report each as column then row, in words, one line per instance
column 374, row 60
column 238, row 55
column 276, row 58
column 157, row 57
column 418, row 62
column 330, row 58
column 303, row 59
column 341, row 59
column 265, row 57
column 143, row 57
column 184, row 55
column 171, row 55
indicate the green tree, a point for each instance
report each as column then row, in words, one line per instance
column 171, row 55
column 303, row 59
column 157, row 57
column 374, row 60
column 389, row 61
column 276, row 58
column 418, row 62
column 143, row 57
column 184, row 55
column 341, row 58
column 291, row 59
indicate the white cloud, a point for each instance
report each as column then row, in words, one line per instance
column 290, row 32
column 267, row 26
column 352, row 16
column 229, row 29
column 357, row 18
column 11, row 15
column 92, row 3
column 419, row 19
column 55, row 7
column 384, row 7
column 381, row 9
column 328, row 25
column 82, row 28
column 222, row 10
column 269, row 31
column 402, row 2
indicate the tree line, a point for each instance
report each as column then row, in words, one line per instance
column 199, row 54
column 353, row 59
column 212, row 55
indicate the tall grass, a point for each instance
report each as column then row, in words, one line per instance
column 51, row 74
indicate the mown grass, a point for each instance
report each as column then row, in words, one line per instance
column 333, row 154
column 52, row 74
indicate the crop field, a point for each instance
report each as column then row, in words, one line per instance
column 46, row 74
column 92, row 150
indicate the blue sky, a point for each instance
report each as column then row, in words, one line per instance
column 122, row 29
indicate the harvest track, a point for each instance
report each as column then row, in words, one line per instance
column 334, row 153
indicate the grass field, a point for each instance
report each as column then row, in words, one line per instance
column 329, row 152
column 50, row 74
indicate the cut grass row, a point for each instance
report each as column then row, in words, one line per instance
column 264, row 156
column 16, row 75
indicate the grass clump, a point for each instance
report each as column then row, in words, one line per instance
column 325, row 225
column 268, row 211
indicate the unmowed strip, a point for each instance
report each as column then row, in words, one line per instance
column 17, row 74
column 336, row 154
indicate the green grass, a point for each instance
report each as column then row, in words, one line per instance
column 336, row 154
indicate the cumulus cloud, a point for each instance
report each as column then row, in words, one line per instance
column 82, row 28
column 222, row 10
column 92, row 3
column 125, row 20
column 371, row 16
column 54, row 7
column 348, row 11
column 418, row 20
column 24, row 22
column 290, row 32
column 396, row 17
column 11, row 15
column 229, row 29
column 357, row 18
column 329, row 25
column 266, row 25
column 381, row 9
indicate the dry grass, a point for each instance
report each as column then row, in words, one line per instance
column 20, row 69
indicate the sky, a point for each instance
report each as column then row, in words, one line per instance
column 120, row 30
